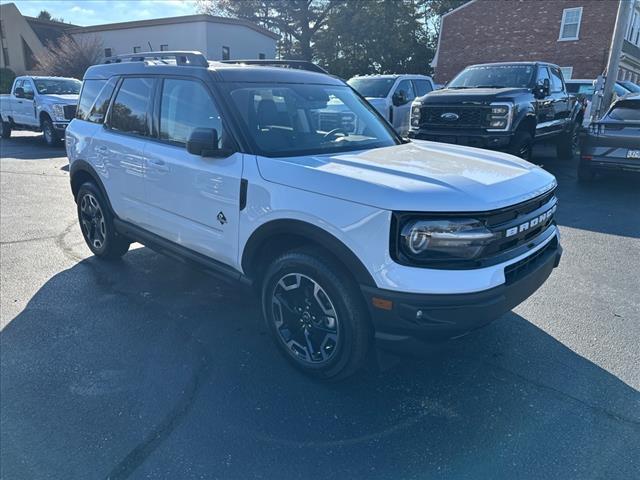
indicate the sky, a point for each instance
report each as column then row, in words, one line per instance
column 95, row 12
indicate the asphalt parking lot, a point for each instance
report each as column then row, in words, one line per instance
column 148, row 369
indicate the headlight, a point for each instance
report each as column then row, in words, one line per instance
column 58, row 111
column 415, row 116
column 500, row 116
column 444, row 239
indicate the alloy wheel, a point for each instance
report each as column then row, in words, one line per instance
column 93, row 223
column 48, row 133
column 305, row 319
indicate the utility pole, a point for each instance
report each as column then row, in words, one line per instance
column 622, row 23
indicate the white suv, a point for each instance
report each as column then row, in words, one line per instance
column 348, row 233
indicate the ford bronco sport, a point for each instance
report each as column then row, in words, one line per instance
column 349, row 234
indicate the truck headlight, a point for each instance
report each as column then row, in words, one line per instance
column 415, row 116
column 58, row 111
column 500, row 116
column 444, row 239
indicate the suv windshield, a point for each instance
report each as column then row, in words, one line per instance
column 300, row 119
column 372, row 87
column 50, row 86
column 494, row 76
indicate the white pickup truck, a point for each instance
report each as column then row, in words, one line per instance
column 40, row 104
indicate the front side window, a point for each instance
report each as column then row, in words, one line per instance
column 302, row 119
column 55, row 86
column 372, row 87
column 543, row 74
column 185, row 105
column 28, row 88
column 407, row 87
column 131, row 106
column 494, row 76
column 570, row 25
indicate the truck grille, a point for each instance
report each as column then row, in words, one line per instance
column 467, row 116
column 69, row 111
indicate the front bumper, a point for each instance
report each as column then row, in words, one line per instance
column 470, row 138
column 403, row 319
column 60, row 126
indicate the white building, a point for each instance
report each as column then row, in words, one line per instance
column 218, row 38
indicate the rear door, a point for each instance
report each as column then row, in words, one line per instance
column 422, row 87
column 560, row 99
column 192, row 200
column 119, row 147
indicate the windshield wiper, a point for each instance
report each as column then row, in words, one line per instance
column 490, row 86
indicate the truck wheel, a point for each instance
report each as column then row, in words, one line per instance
column 316, row 314
column 96, row 222
column 49, row 133
column 5, row 128
column 522, row 145
column 567, row 146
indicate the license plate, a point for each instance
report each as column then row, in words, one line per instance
column 633, row 154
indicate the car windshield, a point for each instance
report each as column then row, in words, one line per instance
column 626, row 111
column 302, row 119
column 57, row 86
column 494, row 76
column 372, row 87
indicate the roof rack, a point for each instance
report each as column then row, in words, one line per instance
column 190, row 59
column 295, row 64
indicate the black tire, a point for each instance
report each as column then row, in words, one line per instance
column 586, row 174
column 522, row 145
column 568, row 143
column 96, row 223
column 49, row 134
column 5, row 129
column 337, row 328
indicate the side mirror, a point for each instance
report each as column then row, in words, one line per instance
column 399, row 98
column 19, row 92
column 203, row 142
column 542, row 89
column 29, row 95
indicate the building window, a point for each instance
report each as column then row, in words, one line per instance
column 570, row 26
column 136, row 49
column 107, row 53
column 566, row 72
column 164, row 47
column 226, row 53
column 262, row 56
column 5, row 56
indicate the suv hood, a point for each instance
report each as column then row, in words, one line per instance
column 69, row 99
column 417, row 176
column 482, row 96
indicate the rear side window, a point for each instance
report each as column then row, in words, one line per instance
column 130, row 110
column 422, row 87
column 186, row 105
column 90, row 90
column 100, row 106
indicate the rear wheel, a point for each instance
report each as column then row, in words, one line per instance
column 5, row 129
column 568, row 143
column 522, row 145
column 49, row 133
column 316, row 314
column 96, row 222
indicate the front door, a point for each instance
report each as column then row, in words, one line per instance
column 24, row 111
column 544, row 105
column 192, row 200
column 402, row 112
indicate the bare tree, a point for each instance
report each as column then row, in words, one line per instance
column 68, row 57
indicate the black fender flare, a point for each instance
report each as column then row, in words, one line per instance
column 525, row 115
column 81, row 171
column 312, row 233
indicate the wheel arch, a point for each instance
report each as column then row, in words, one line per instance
column 528, row 124
column 277, row 236
column 80, row 172
column 43, row 116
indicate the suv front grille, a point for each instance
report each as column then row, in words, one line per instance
column 69, row 111
column 432, row 116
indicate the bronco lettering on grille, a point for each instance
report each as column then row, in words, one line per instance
column 531, row 223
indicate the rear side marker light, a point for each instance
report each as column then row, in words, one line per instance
column 381, row 303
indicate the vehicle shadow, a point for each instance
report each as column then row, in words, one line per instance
column 29, row 147
column 607, row 205
column 148, row 369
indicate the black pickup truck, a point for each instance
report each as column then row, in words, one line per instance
column 501, row 106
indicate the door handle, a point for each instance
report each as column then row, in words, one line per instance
column 158, row 165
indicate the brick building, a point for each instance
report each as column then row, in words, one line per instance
column 574, row 34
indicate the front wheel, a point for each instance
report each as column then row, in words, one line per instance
column 97, row 225
column 316, row 314
column 568, row 143
column 5, row 129
column 51, row 137
column 522, row 145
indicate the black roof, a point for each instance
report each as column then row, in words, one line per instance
column 512, row 63
column 47, row 31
